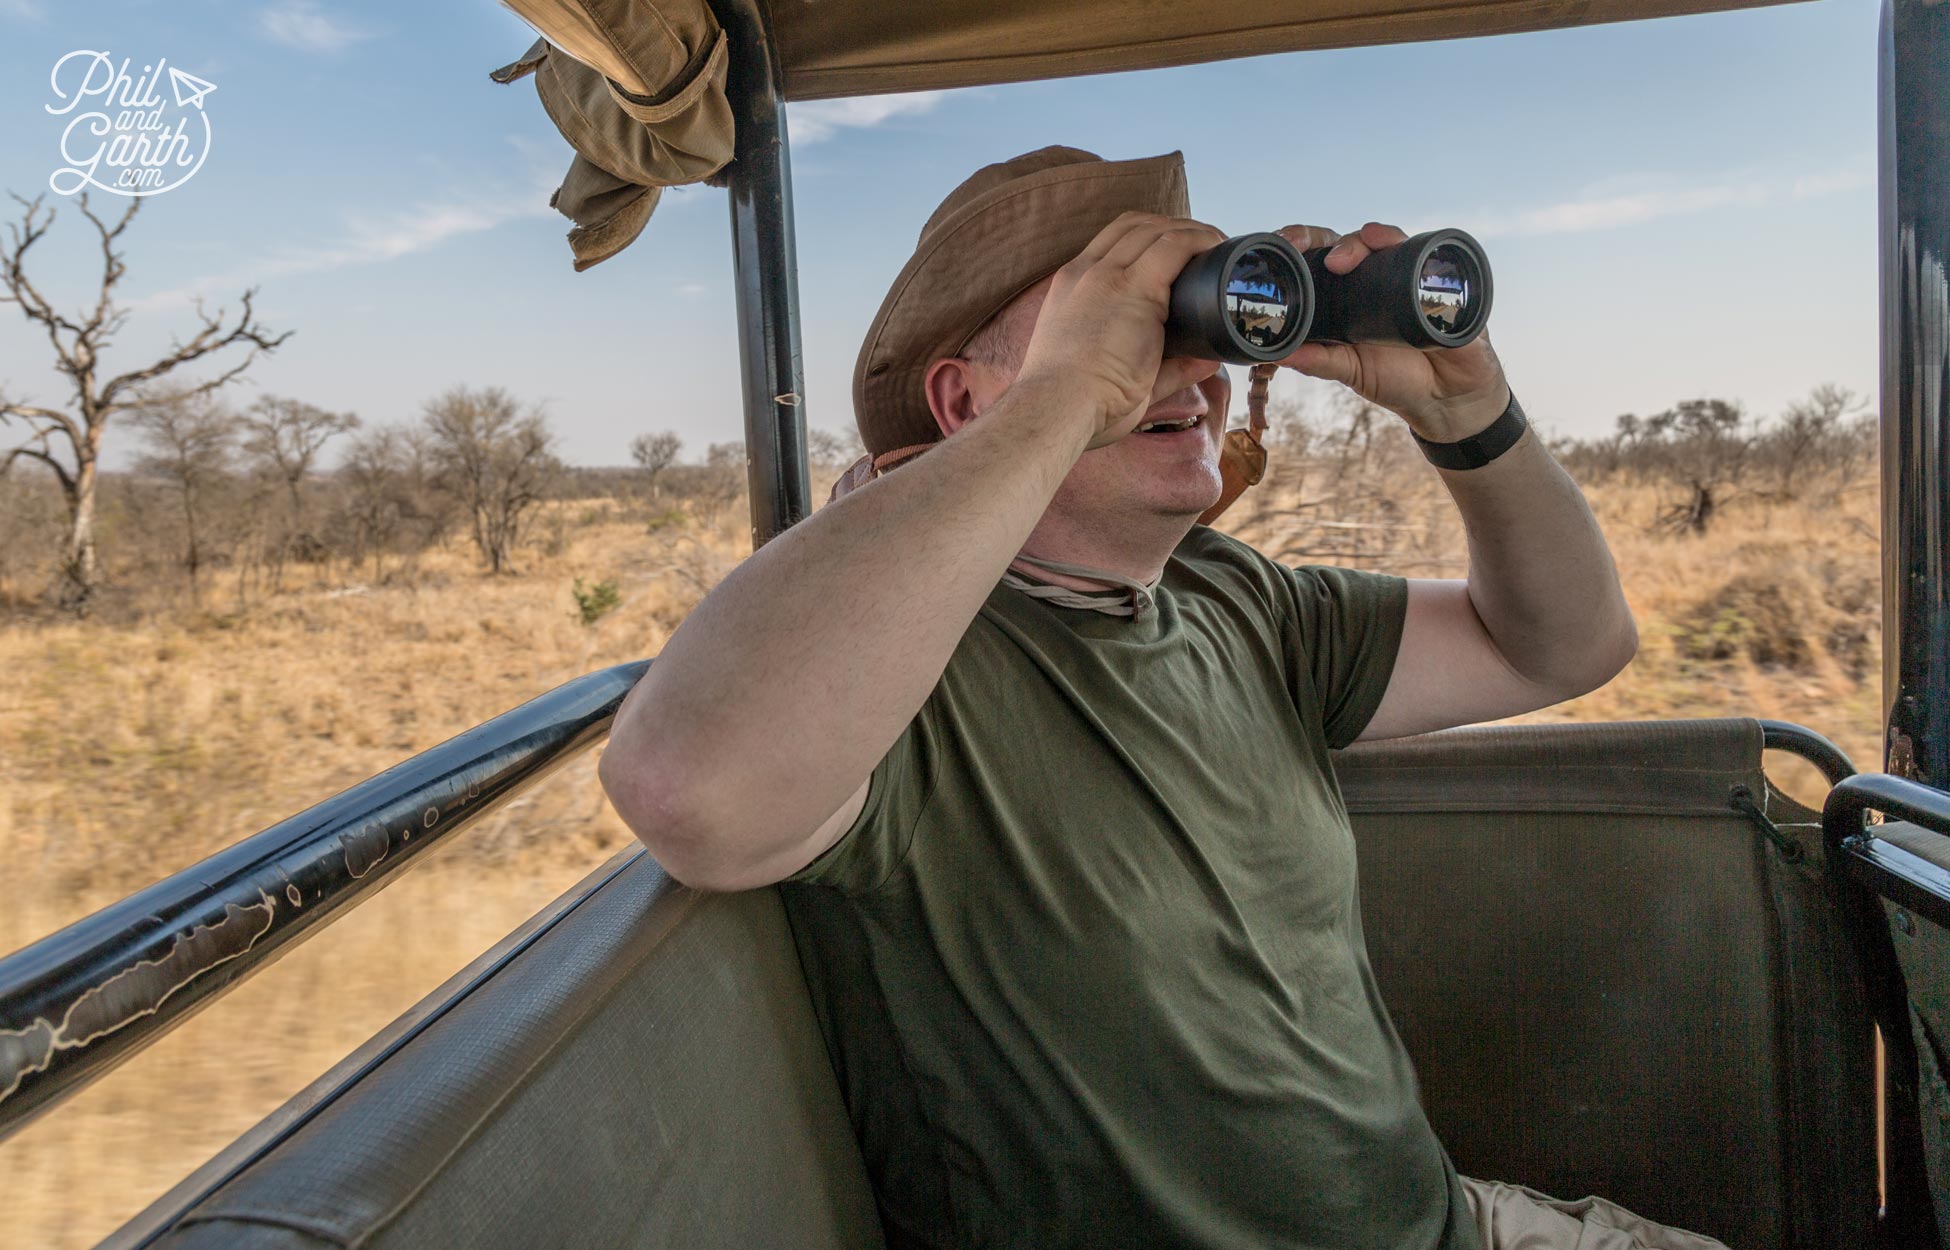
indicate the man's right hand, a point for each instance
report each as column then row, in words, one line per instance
column 1102, row 326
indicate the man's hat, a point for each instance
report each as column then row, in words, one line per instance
column 1009, row 226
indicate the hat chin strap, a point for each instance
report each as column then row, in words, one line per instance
column 888, row 459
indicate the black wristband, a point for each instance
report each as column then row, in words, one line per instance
column 1478, row 449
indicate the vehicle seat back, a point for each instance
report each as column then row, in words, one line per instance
column 1612, row 982
column 647, row 1073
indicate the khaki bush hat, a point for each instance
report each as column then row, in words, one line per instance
column 1009, row 226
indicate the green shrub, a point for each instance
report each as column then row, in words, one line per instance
column 595, row 602
column 668, row 518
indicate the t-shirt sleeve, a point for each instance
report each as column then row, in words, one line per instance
column 1347, row 631
column 898, row 788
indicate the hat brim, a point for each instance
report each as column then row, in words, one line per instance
column 970, row 265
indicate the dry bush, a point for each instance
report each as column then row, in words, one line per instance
column 1788, row 627
column 1703, row 455
column 1785, row 608
column 31, row 517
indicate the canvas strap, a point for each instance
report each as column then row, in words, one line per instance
column 1242, row 460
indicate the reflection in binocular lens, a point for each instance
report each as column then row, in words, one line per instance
column 1259, row 296
column 1446, row 287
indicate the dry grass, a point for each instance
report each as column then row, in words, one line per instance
column 130, row 749
column 1775, row 612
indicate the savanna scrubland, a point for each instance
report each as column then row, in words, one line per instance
column 287, row 601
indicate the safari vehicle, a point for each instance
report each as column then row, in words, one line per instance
column 1695, row 996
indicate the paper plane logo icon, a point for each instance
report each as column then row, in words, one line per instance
column 189, row 89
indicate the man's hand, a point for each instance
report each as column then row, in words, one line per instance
column 1102, row 326
column 1444, row 394
column 1541, row 617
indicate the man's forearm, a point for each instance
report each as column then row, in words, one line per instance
column 779, row 693
column 1540, row 575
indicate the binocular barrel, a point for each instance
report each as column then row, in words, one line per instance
column 1248, row 300
column 1256, row 298
column 1430, row 291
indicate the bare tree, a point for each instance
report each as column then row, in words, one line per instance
column 497, row 460
column 68, row 440
column 1703, row 446
column 1812, row 435
column 283, row 437
column 189, row 442
column 653, row 454
column 724, row 479
column 388, row 500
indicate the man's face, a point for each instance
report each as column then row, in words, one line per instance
column 1142, row 475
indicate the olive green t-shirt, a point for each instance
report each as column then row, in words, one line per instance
column 1090, row 965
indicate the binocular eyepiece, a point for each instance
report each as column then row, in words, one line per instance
column 1256, row 297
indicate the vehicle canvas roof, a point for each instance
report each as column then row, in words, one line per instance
column 833, row 48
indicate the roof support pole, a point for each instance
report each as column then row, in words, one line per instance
column 766, row 273
column 1914, row 112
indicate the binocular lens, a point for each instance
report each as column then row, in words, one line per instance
column 1447, row 289
column 1262, row 295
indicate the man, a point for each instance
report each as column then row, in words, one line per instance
column 1043, row 762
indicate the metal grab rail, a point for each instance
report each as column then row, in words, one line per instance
column 1862, row 868
column 1781, row 735
column 80, row 1001
column 1889, row 870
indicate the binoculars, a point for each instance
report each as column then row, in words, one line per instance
column 1256, row 297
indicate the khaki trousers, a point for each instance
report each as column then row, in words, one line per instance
column 1515, row 1217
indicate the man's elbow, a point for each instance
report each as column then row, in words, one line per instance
column 1604, row 658
column 660, row 814
column 687, row 842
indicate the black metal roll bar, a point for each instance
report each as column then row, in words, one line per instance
column 1914, row 85
column 1781, row 735
column 78, row 1002
column 1863, row 870
column 1888, row 870
column 766, row 268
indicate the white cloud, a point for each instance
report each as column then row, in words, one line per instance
column 817, row 120
column 302, row 24
column 1863, row 175
column 691, row 288
column 1609, row 209
column 367, row 241
column 25, row 10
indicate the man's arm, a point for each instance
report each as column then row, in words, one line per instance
column 771, row 703
column 1541, row 618
column 743, row 752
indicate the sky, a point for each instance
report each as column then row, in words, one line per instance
column 1673, row 208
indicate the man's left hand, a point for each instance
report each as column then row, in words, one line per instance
column 1444, row 393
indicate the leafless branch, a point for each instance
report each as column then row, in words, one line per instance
column 106, row 319
column 211, row 338
column 19, row 290
column 49, row 417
